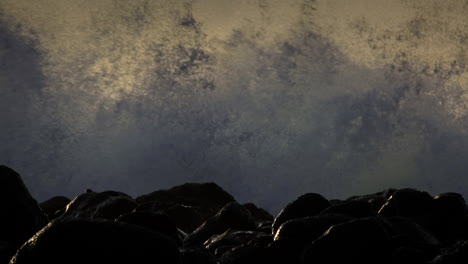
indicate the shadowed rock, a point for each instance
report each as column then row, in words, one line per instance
column 208, row 198
column 187, row 218
column 105, row 205
column 358, row 241
column 260, row 215
column 409, row 203
column 232, row 216
column 449, row 219
column 309, row 204
column 352, row 208
column 20, row 215
column 219, row 244
column 157, row 222
column 54, row 206
column 307, row 229
column 456, row 254
column 78, row 241
column 197, row 256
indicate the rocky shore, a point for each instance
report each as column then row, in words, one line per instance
column 202, row 224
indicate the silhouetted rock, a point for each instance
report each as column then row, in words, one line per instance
column 353, row 208
column 72, row 240
column 219, row 244
column 208, row 198
column 105, row 205
column 409, row 203
column 187, row 218
column 309, row 204
column 232, row 216
column 197, row 256
column 359, row 241
column 20, row 215
column 260, row 215
column 157, row 222
column 306, row 230
column 52, row 207
column 403, row 226
column 449, row 219
column 457, row 254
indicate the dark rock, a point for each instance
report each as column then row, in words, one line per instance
column 457, row 254
column 245, row 254
column 359, row 241
column 55, row 206
column 306, row 230
column 449, row 219
column 232, row 216
column 409, row 203
column 411, row 242
column 209, row 198
column 72, row 240
column 105, row 205
column 352, row 208
column 284, row 251
column 197, row 256
column 309, row 204
column 219, row 244
column 260, row 215
column 160, row 223
column 187, row 218
column 412, row 232
column 408, row 255
column 20, row 216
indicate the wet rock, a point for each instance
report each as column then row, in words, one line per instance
column 232, row 216
column 306, row 230
column 245, row 254
column 260, row 215
column 105, row 205
column 411, row 243
column 208, row 198
column 72, row 240
column 449, row 219
column 409, row 203
column 21, row 216
column 157, row 222
column 352, row 208
column 456, row 254
column 187, row 218
column 309, row 204
column 197, row 256
column 54, row 206
column 359, row 241
column 219, row 244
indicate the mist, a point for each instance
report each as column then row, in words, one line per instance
column 267, row 99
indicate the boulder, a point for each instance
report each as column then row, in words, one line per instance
column 78, row 241
column 306, row 230
column 409, row 203
column 20, row 215
column 456, row 254
column 187, row 218
column 219, row 244
column 197, row 256
column 160, row 223
column 353, row 208
column 55, row 206
column 309, row 204
column 260, row 215
column 449, row 219
column 232, row 216
column 208, row 198
column 361, row 241
column 105, row 205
